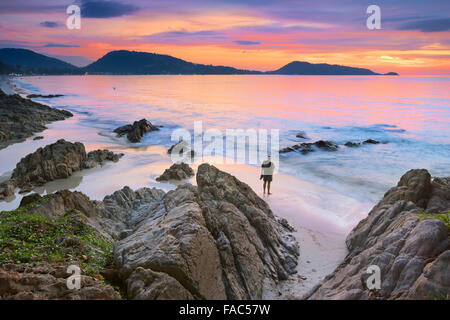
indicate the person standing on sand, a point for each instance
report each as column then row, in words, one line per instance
column 267, row 169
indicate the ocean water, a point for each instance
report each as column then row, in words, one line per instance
column 410, row 116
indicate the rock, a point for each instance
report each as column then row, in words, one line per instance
column 48, row 281
column 310, row 147
column 145, row 284
column 371, row 141
column 136, row 130
column 21, row 118
column 352, row 144
column 7, row 188
column 98, row 157
column 410, row 248
column 30, row 96
column 301, row 135
column 181, row 148
column 29, row 199
column 58, row 160
column 38, row 138
column 217, row 241
column 177, row 171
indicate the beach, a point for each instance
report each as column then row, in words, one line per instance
column 321, row 202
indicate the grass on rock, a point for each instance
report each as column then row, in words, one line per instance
column 27, row 237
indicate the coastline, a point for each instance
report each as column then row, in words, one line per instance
column 321, row 216
column 6, row 84
column 303, row 204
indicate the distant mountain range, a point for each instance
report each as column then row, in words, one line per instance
column 132, row 62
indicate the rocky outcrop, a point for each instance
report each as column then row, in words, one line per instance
column 98, row 157
column 217, row 240
column 307, row 147
column 351, row 144
column 181, row 148
column 48, row 281
column 20, row 118
column 58, row 160
column 407, row 236
column 136, row 131
column 177, row 171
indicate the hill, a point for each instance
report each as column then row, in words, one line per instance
column 306, row 68
column 132, row 62
column 27, row 61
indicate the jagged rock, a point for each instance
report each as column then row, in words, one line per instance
column 411, row 250
column 352, row 144
column 136, row 130
column 371, row 141
column 97, row 157
column 20, row 118
column 307, row 147
column 177, row 171
column 181, row 148
column 7, row 188
column 58, row 160
column 48, row 281
column 38, row 138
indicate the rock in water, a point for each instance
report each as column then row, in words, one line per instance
column 58, row 160
column 136, row 130
column 98, row 157
column 407, row 236
column 180, row 148
column 178, row 171
column 20, row 118
column 371, row 141
column 310, row 147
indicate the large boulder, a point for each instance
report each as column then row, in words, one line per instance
column 407, row 236
column 136, row 131
column 20, row 118
column 218, row 241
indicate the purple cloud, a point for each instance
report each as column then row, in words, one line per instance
column 106, row 9
column 49, row 24
column 246, row 42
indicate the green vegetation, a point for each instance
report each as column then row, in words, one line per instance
column 444, row 217
column 27, row 237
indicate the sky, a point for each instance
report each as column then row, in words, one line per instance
column 250, row 34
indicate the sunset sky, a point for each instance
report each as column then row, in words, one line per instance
column 251, row 34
